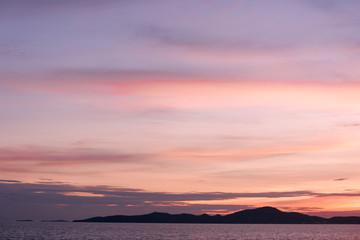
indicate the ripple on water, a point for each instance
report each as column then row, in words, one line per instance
column 152, row 231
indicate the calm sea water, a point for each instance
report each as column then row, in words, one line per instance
column 152, row 231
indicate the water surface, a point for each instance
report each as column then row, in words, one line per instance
column 152, row 231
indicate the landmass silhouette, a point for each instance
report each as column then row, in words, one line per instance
column 263, row 215
column 60, row 220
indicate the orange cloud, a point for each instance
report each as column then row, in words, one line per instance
column 329, row 145
column 82, row 194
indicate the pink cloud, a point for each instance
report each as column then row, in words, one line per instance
column 206, row 94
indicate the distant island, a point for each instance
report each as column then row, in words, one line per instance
column 263, row 215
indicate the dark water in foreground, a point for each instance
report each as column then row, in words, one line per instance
column 152, row 231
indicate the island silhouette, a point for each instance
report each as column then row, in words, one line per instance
column 263, row 215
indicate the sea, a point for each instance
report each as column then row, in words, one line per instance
column 157, row 231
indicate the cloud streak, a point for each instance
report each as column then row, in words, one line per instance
column 45, row 7
column 193, row 42
column 155, row 90
column 74, row 155
column 9, row 181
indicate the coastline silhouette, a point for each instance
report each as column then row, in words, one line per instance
column 263, row 215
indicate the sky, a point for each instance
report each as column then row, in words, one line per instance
column 197, row 106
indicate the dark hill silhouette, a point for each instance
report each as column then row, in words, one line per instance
column 344, row 220
column 270, row 215
column 264, row 215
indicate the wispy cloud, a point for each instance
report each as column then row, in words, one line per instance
column 257, row 153
column 353, row 124
column 65, row 156
column 46, row 7
column 199, row 42
column 8, row 50
column 50, row 160
column 127, row 75
column 330, row 5
column 340, row 179
column 9, row 181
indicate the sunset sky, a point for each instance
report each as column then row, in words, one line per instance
column 198, row 106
